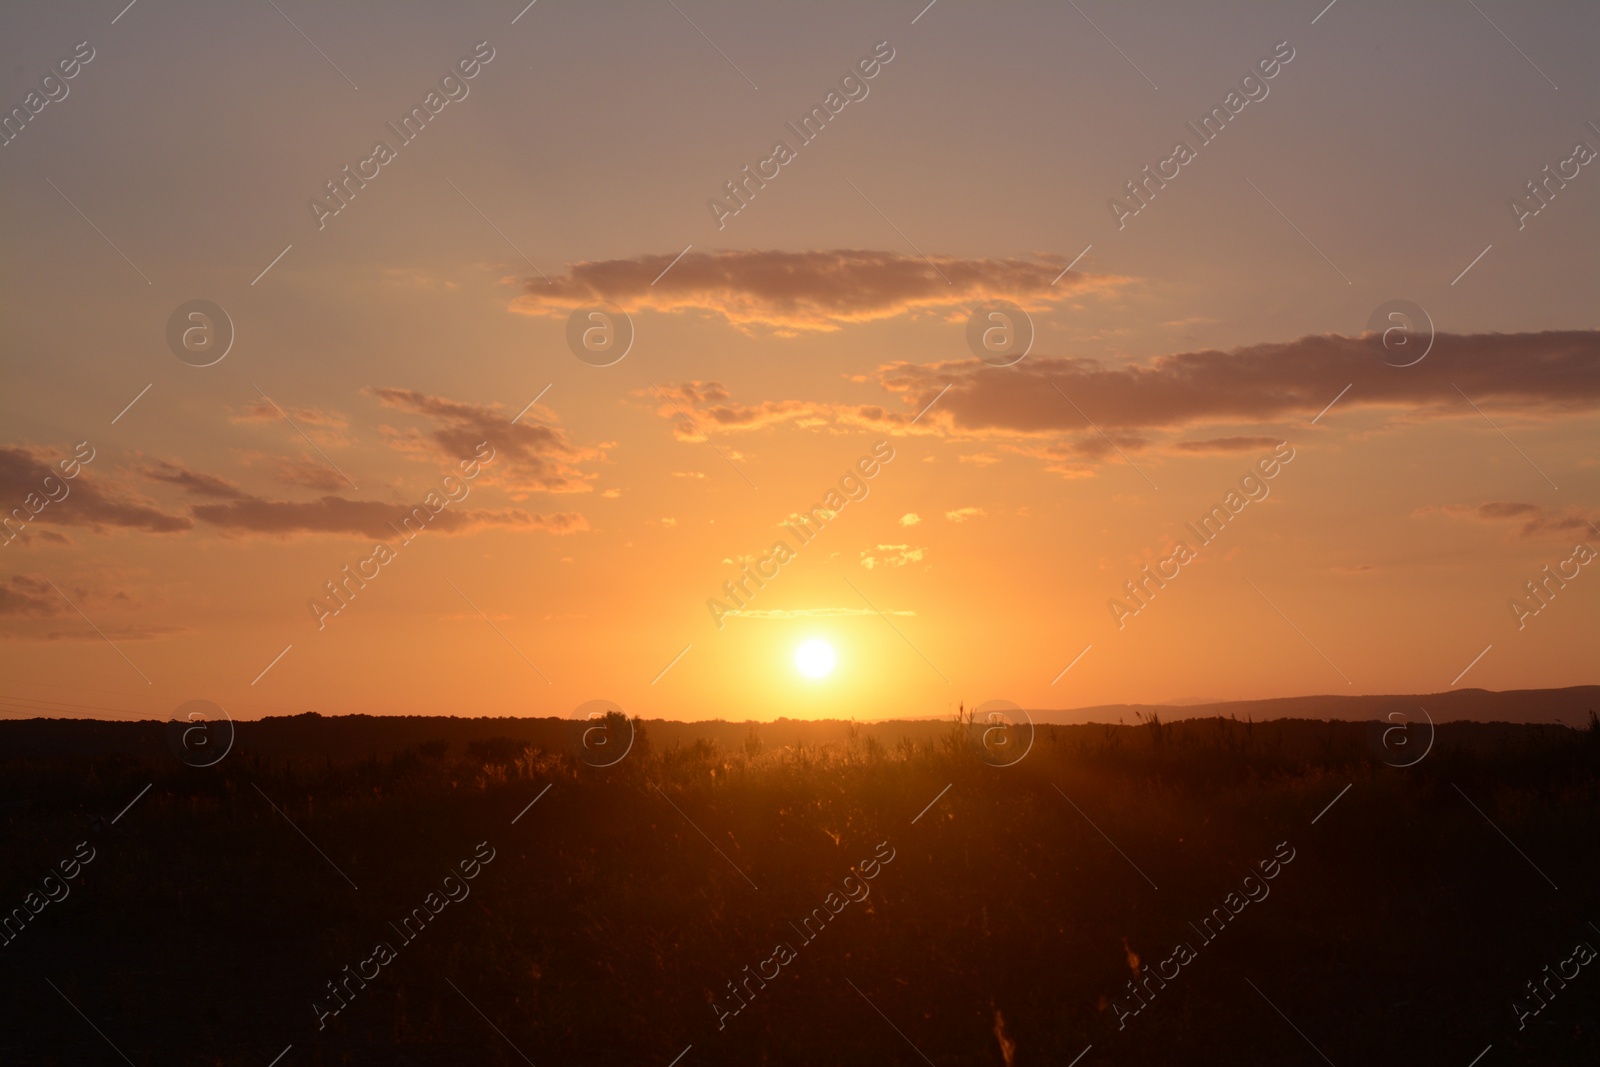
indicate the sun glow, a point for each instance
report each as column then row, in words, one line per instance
column 814, row 658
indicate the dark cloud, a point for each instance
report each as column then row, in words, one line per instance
column 33, row 631
column 1076, row 457
column 818, row 290
column 1547, row 374
column 529, row 456
column 193, row 481
column 301, row 473
column 23, row 472
column 325, row 426
column 698, row 408
column 30, row 610
column 1226, row 444
column 369, row 518
column 1555, row 372
column 271, row 411
column 1532, row 519
column 30, row 597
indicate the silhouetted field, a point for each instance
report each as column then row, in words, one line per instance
column 605, row 924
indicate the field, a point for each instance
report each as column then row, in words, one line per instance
column 932, row 906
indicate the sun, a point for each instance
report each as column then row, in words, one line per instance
column 814, row 658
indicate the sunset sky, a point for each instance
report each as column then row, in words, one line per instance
column 776, row 346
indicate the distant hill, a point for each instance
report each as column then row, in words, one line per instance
column 1570, row 707
column 343, row 738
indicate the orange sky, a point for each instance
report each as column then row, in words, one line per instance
column 1175, row 352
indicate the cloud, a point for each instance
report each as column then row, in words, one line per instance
column 301, row 473
column 1227, row 444
column 963, row 514
column 910, row 518
column 192, row 482
column 1554, row 373
column 1534, row 519
column 816, row 290
column 22, row 477
column 701, row 408
column 30, row 610
column 406, row 278
column 799, row 521
column 131, row 632
column 30, row 597
column 1043, row 406
column 369, row 518
column 1076, row 457
column 529, row 456
column 892, row 556
column 324, row 426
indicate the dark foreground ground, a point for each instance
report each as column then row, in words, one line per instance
column 1008, row 908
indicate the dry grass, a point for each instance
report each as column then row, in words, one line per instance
column 1001, row 932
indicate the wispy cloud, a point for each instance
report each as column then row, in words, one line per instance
column 89, row 502
column 369, row 518
column 892, row 556
column 303, row 472
column 1532, row 519
column 809, row 291
column 30, row 597
column 196, row 482
column 529, row 456
column 322, row 425
column 32, row 610
column 697, row 408
column 1226, row 444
